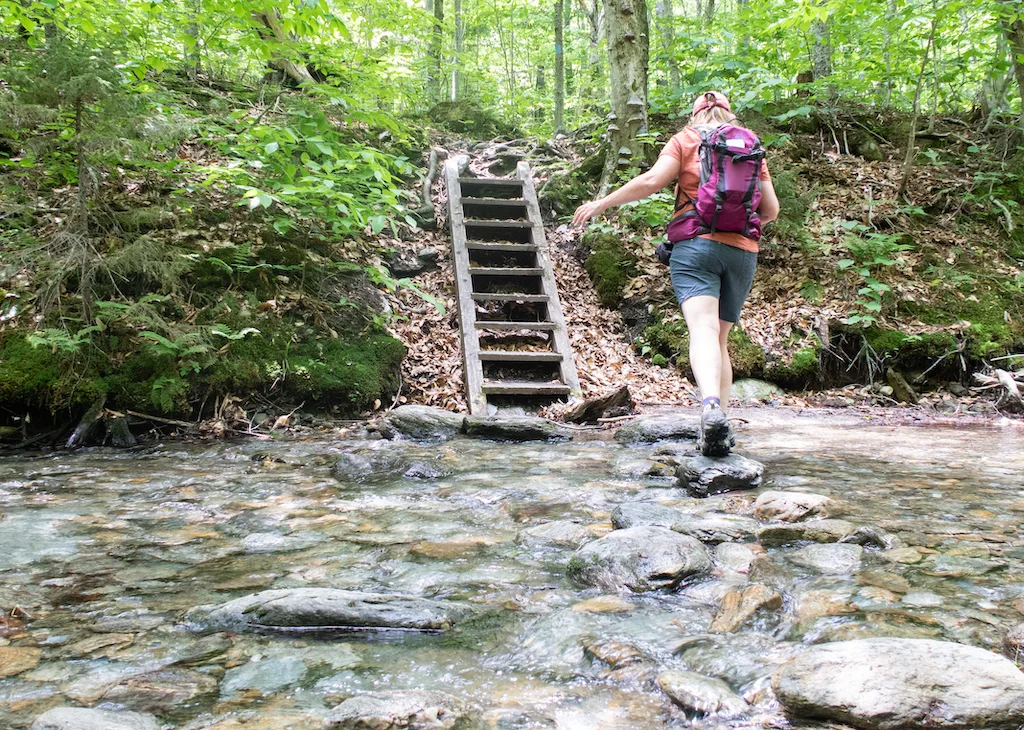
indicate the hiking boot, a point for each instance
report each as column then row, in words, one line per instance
column 714, row 438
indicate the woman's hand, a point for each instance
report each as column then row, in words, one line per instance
column 587, row 211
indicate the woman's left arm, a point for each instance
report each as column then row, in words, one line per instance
column 658, row 177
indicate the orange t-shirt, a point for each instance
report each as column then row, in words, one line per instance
column 685, row 147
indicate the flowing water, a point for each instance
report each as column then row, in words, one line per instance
column 103, row 551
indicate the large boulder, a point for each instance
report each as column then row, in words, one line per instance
column 639, row 558
column 659, row 428
column 903, row 684
column 326, row 609
column 703, row 476
column 80, row 718
column 422, row 423
column 408, row 710
column 775, row 506
column 515, row 428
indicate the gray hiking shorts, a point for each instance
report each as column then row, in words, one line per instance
column 702, row 267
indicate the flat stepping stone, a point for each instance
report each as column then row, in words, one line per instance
column 811, row 531
column 421, row 423
column 716, row 528
column 900, row 684
column 703, row 476
column 659, row 428
column 81, row 718
column 639, row 558
column 514, row 428
column 399, row 709
column 775, row 506
column 326, row 609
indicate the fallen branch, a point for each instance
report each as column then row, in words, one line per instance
column 162, row 421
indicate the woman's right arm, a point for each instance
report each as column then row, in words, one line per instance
column 768, row 210
column 657, row 178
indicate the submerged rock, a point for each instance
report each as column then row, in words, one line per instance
column 80, row 718
column 325, row 609
column 563, row 533
column 812, row 531
column 702, row 695
column 741, row 604
column 637, row 514
column 901, row 684
column 659, row 428
column 716, row 528
column 639, row 558
column 1013, row 644
column 421, row 423
column 737, row 557
column 411, row 709
column 830, row 559
column 515, row 428
column 793, row 506
column 160, row 691
column 18, row 659
column 365, row 467
column 703, row 476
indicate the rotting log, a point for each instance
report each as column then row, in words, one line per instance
column 592, row 409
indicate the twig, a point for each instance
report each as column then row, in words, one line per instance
column 616, row 419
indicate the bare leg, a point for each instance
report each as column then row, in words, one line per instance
column 706, row 350
column 725, row 379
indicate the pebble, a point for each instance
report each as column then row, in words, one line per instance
column 604, row 604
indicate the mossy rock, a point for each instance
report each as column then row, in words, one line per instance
column 801, row 370
column 670, row 341
column 609, row 266
column 564, row 192
column 465, row 117
column 28, row 374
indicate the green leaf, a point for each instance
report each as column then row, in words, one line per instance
column 271, row 148
column 377, row 223
column 845, row 263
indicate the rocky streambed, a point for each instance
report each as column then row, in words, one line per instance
column 445, row 573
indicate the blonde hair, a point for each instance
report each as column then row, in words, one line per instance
column 712, row 117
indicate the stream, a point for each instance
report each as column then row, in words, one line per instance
column 102, row 553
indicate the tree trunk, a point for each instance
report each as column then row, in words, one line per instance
column 709, row 11
column 559, row 67
column 436, row 89
column 627, row 36
column 193, row 57
column 666, row 31
column 592, row 12
column 273, row 31
column 908, row 163
column 886, row 54
column 821, row 53
column 1013, row 26
column 460, row 34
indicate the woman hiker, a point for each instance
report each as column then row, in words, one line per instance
column 713, row 252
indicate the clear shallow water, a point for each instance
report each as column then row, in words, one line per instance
column 102, row 552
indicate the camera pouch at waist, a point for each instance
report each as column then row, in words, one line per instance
column 664, row 252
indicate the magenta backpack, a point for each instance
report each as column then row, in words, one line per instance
column 730, row 186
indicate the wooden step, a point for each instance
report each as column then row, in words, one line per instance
column 504, row 325
column 525, row 387
column 484, row 223
column 496, row 208
column 482, row 297
column 487, row 246
column 505, row 271
column 515, row 356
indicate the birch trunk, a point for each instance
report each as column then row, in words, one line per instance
column 627, row 36
column 559, row 67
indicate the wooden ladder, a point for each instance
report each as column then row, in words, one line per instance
column 515, row 348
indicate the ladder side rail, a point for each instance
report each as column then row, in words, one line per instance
column 472, row 368
column 567, row 366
